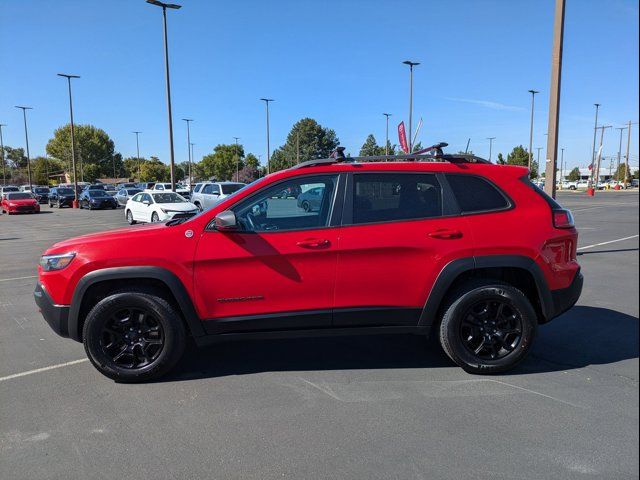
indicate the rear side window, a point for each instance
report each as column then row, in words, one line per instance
column 386, row 197
column 475, row 194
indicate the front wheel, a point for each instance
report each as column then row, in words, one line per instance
column 306, row 206
column 154, row 217
column 134, row 336
column 130, row 219
column 487, row 327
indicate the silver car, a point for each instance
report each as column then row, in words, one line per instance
column 124, row 194
column 206, row 194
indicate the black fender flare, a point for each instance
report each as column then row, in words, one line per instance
column 165, row 276
column 455, row 268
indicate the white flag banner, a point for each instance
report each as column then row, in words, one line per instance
column 415, row 135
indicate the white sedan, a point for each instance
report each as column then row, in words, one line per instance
column 157, row 207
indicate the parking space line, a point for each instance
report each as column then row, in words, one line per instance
column 43, row 369
column 17, row 278
column 607, row 243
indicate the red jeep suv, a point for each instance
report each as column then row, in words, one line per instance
column 448, row 245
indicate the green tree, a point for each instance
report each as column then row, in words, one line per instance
column 154, row 170
column 520, row 156
column 130, row 166
column 501, row 160
column 15, row 157
column 620, row 173
column 252, row 161
column 222, row 163
column 574, row 175
column 309, row 138
column 41, row 167
column 636, row 174
column 91, row 172
column 93, row 145
column 371, row 148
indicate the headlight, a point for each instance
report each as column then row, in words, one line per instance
column 56, row 262
column 13, row 204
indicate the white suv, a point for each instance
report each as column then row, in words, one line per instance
column 166, row 187
column 207, row 194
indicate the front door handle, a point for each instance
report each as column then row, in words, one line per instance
column 314, row 243
column 446, row 234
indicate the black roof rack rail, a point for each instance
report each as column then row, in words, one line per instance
column 434, row 155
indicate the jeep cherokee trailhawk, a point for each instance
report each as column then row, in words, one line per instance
column 448, row 245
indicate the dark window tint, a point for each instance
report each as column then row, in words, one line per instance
column 19, row 196
column 475, row 194
column 394, row 196
column 230, row 188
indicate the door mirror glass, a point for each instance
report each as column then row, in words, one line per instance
column 225, row 221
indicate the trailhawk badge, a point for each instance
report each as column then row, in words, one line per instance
column 188, row 233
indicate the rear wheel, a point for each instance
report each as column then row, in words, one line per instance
column 487, row 326
column 155, row 217
column 306, row 206
column 130, row 219
column 133, row 336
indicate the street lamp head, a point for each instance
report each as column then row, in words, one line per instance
column 387, row 114
column 597, row 105
column 533, row 92
column 24, row 108
column 188, row 119
column 68, row 76
column 164, row 5
column 267, row 100
column 410, row 63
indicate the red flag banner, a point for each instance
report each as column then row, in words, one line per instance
column 402, row 136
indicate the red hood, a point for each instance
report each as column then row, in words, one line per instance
column 106, row 236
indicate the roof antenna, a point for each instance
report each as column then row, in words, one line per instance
column 338, row 154
column 466, row 150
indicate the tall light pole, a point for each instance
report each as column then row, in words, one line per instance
column 138, row 157
column 599, row 156
column 538, row 160
column 561, row 167
column 411, row 65
column 26, row 137
column 554, row 100
column 533, row 96
column 626, row 160
column 166, row 68
column 73, row 139
column 386, row 144
column 189, row 120
column 619, row 155
column 595, row 130
column 4, row 174
column 266, row 102
column 491, row 139
column 192, row 157
column 237, row 159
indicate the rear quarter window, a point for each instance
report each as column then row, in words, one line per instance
column 475, row 194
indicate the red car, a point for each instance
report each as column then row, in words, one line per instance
column 19, row 202
column 467, row 251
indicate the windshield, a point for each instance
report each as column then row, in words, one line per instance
column 95, row 187
column 133, row 191
column 234, row 187
column 168, row 197
column 10, row 189
column 19, row 196
column 97, row 193
column 42, row 190
column 65, row 191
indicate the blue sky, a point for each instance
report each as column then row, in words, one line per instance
column 336, row 61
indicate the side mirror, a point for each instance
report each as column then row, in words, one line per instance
column 226, row 221
column 147, row 202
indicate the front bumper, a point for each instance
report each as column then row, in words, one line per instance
column 57, row 316
column 64, row 201
column 565, row 298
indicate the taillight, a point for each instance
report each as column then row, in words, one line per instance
column 563, row 219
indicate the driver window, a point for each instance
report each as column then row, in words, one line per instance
column 299, row 203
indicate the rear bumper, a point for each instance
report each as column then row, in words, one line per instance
column 57, row 316
column 565, row 298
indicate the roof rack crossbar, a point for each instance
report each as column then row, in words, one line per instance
column 451, row 158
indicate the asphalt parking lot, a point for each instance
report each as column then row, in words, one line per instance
column 356, row 407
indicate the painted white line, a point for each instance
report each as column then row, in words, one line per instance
column 44, row 369
column 17, row 278
column 536, row 393
column 607, row 243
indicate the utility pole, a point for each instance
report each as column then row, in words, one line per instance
column 533, row 96
column 538, row 160
column 626, row 160
column 386, row 144
column 599, row 158
column 237, row 159
column 266, row 102
column 554, row 100
column 73, row 140
column 138, row 157
column 4, row 173
column 26, row 137
column 619, row 155
column 561, row 167
column 164, row 7
column 595, row 130
column 189, row 120
column 491, row 139
column 411, row 65
column 192, row 144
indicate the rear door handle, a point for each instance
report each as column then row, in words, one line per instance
column 314, row 243
column 446, row 234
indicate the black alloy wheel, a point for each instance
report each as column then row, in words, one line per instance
column 491, row 329
column 132, row 338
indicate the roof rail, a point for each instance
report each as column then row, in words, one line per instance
column 421, row 156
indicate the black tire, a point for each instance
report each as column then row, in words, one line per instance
column 306, row 206
column 197, row 204
column 499, row 342
column 158, row 358
column 154, row 217
column 130, row 219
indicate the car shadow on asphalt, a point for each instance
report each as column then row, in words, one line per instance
column 581, row 337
